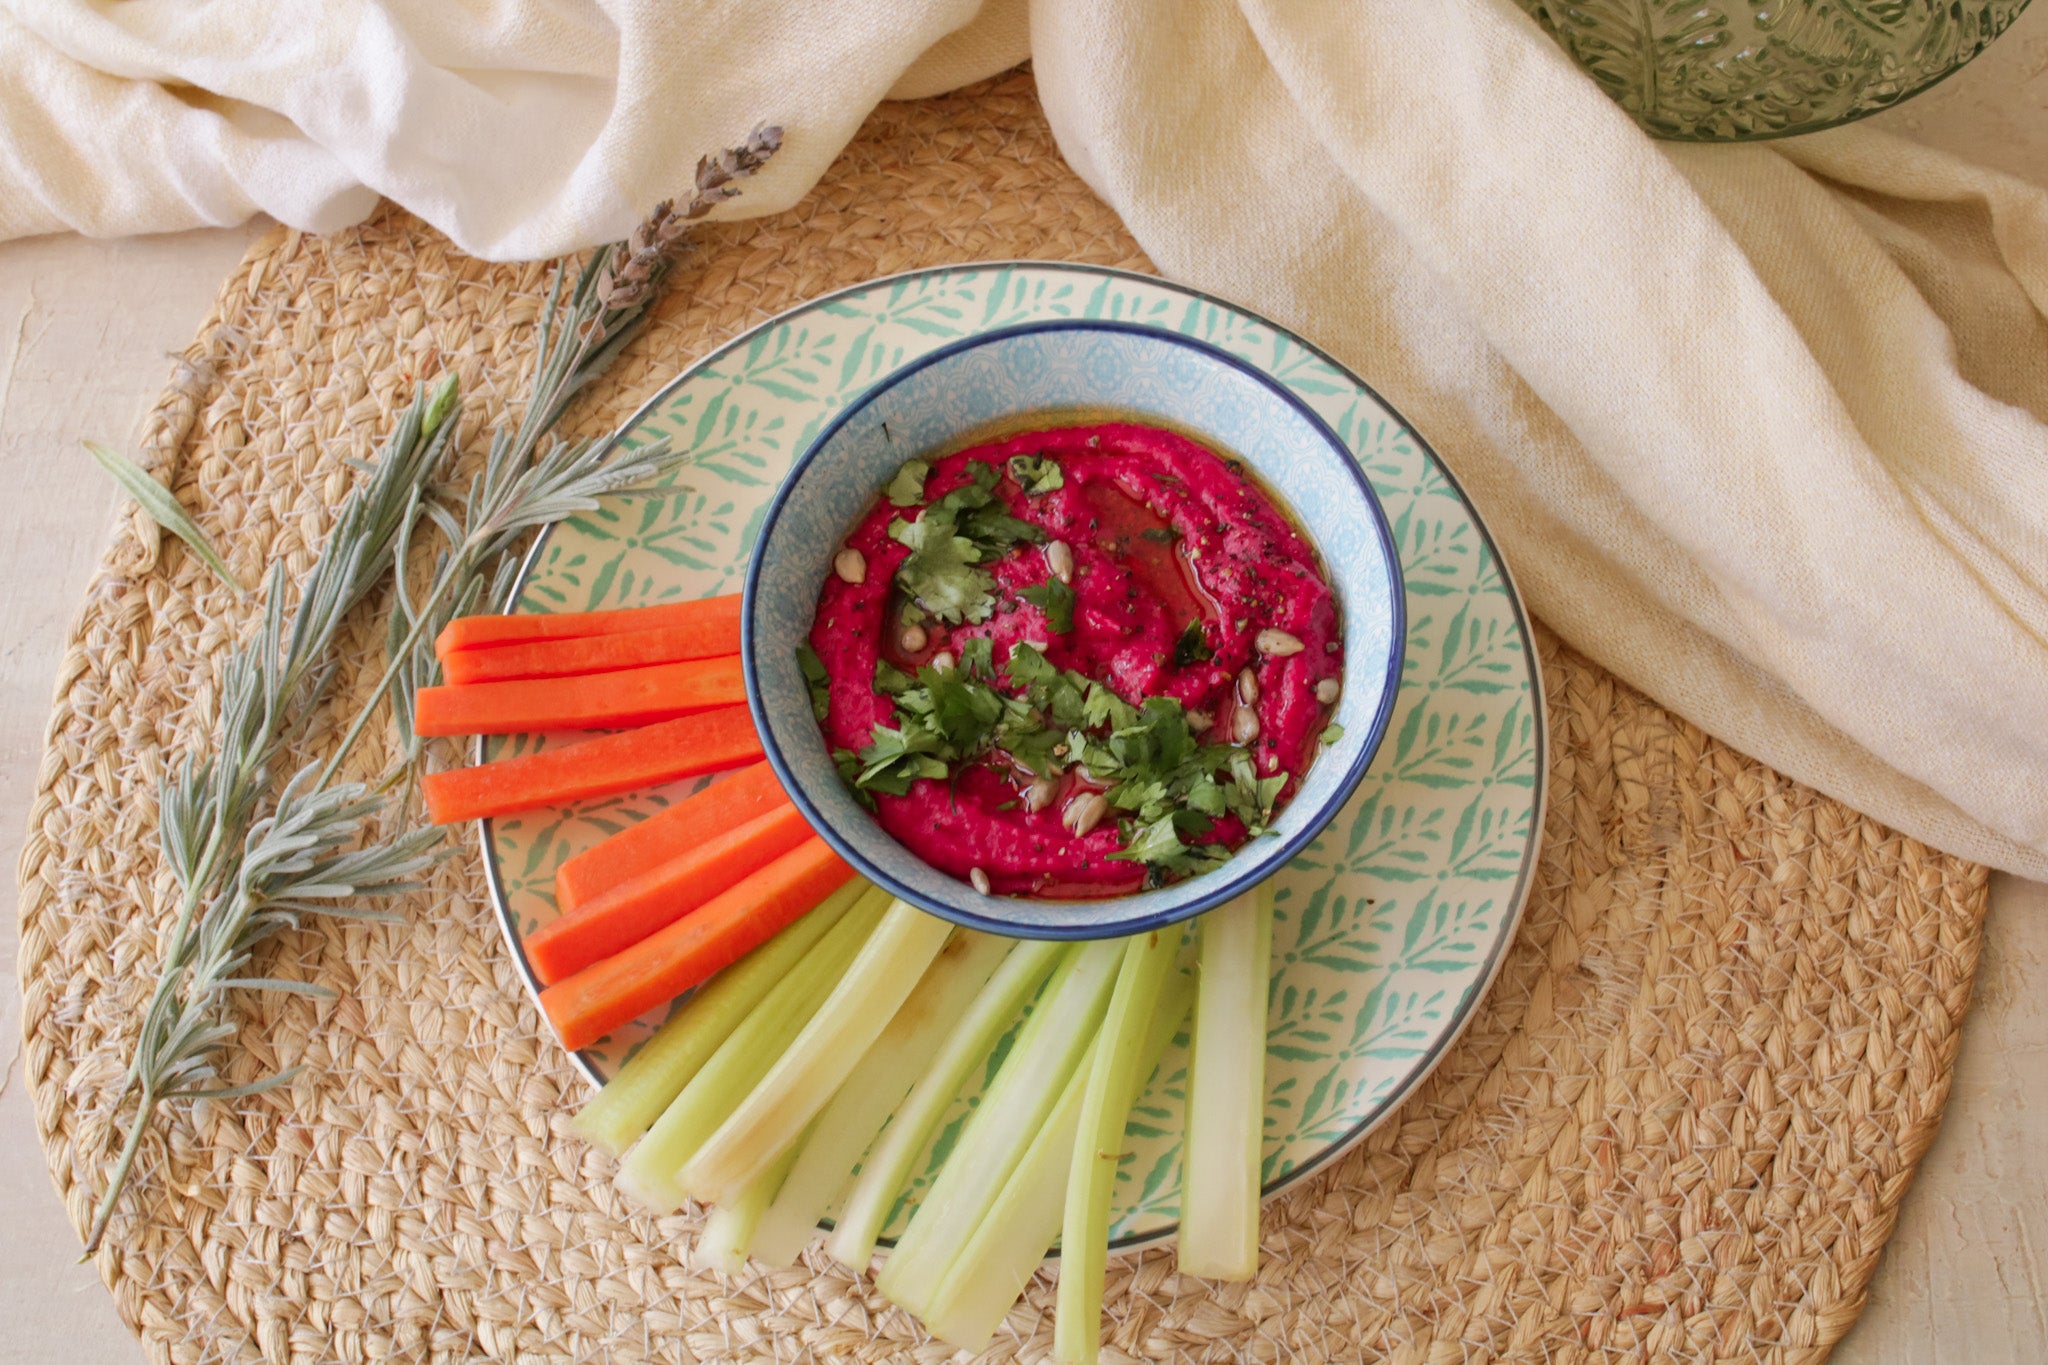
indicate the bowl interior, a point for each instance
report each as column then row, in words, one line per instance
column 1066, row 372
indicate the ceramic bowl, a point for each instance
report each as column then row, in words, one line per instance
column 1137, row 373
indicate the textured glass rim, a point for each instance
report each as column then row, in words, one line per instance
column 1823, row 125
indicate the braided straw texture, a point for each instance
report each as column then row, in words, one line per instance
column 1678, row 1129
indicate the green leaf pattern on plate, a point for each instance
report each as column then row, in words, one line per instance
column 1386, row 928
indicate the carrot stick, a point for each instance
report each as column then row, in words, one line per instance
column 708, row 742
column 713, row 616
column 643, row 847
column 631, row 911
column 606, row 994
column 633, row 696
column 590, row 654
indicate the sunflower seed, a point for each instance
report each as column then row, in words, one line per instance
column 1038, row 795
column 912, row 639
column 1244, row 725
column 944, row 661
column 978, row 879
column 1328, row 690
column 851, row 566
column 1200, row 722
column 1059, row 557
column 1085, row 812
column 1276, row 644
column 1248, row 687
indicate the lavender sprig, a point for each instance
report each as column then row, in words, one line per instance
column 251, row 856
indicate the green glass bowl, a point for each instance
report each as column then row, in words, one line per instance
column 1738, row 70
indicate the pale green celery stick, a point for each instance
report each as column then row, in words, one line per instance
column 657, row 1073
column 730, row 1230
column 804, row 1078
column 875, row 1088
column 648, row 1174
column 887, row 1166
column 1113, row 1078
column 1019, row 1229
column 1219, row 1215
column 1050, row 1047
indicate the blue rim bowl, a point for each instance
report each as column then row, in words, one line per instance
column 1085, row 370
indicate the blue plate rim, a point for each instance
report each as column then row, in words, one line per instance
column 1390, row 685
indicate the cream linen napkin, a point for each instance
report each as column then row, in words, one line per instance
column 1763, row 429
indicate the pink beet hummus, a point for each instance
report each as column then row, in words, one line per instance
column 1163, row 533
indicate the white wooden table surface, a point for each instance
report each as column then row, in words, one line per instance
column 85, row 328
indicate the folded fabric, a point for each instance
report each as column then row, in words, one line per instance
column 1763, row 429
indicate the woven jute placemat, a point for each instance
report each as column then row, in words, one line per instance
column 1678, row 1129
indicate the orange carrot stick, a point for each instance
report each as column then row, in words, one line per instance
column 632, row 696
column 590, row 654
column 593, row 1002
column 708, row 742
column 713, row 616
column 631, row 911
column 643, row 847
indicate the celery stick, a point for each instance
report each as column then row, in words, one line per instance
column 887, row 1165
column 648, row 1174
column 1219, row 1216
column 731, row 1228
column 657, row 1073
column 804, row 1078
column 1052, row 1044
column 1014, row 1237
column 1113, row 1078
column 873, row 1089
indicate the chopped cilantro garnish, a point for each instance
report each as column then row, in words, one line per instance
column 1167, row 786
column 890, row 680
column 897, row 758
column 953, row 536
column 1159, row 535
column 1028, row 667
column 939, row 573
column 1331, row 733
column 1036, row 475
column 1056, row 600
column 1192, row 647
column 907, row 488
column 815, row 678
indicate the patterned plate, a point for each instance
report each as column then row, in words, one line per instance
column 1387, row 929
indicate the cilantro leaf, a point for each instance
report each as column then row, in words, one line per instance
column 890, row 680
column 965, row 713
column 1157, row 842
column 1192, row 647
column 1056, row 599
column 965, row 528
column 848, row 763
column 907, row 488
column 977, row 658
column 993, row 529
column 1269, row 791
column 1036, row 475
column 1331, row 733
column 896, row 758
column 814, row 677
column 1028, row 667
column 939, row 572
